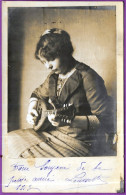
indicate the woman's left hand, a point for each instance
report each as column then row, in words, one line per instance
column 52, row 118
column 58, row 122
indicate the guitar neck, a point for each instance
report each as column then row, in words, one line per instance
column 45, row 113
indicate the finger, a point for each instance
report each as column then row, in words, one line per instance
column 56, row 124
column 30, row 119
column 31, row 122
column 35, row 112
column 51, row 117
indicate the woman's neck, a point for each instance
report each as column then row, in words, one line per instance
column 67, row 75
column 69, row 64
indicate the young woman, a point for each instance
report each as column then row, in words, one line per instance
column 80, row 133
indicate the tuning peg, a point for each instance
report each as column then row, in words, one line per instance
column 65, row 105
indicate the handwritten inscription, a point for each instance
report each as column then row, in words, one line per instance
column 50, row 168
column 19, row 167
column 99, row 167
column 27, row 188
column 47, row 172
column 13, row 179
column 82, row 166
column 83, row 178
column 38, row 179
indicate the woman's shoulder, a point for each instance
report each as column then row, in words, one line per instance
column 87, row 72
column 81, row 66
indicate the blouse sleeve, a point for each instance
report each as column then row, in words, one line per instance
column 99, row 101
column 42, row 92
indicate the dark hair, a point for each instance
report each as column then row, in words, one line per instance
column 54, row 43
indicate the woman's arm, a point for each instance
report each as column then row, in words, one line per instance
column 100, row 103
column 41, row 92
column 86, row 122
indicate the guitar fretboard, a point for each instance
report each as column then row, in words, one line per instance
column 48, row 112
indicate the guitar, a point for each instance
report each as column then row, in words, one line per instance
column 65, row 113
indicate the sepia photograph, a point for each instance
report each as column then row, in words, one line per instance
column 62, row 95
column 77, row 98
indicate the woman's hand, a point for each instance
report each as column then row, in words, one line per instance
column 52, row 118
column 32, row 112
column 58, row 122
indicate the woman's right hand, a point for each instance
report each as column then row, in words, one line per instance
column 32, row 112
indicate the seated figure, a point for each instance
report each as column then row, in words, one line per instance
column 79, row 111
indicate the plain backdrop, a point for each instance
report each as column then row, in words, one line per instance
column 93, row 34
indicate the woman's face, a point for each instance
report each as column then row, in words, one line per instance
column 56, row 65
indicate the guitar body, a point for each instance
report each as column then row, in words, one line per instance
column 42, row 120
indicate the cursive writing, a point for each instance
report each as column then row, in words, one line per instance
column 50, row 168
column 19, row 167
column 82, row 166
column 99, row 167
column 33, row 188
column 14, row 180
column 48, row 172
column 21, row 187
column 37, row 179
column 83, row 178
